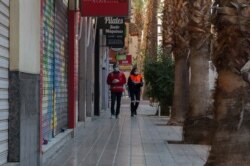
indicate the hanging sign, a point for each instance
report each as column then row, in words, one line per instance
column 104, row 7
column 112, row 56
column 126, row 62
column 125, row 67
column 114, row 29
column 121, row 57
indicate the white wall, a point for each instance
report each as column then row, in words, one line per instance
column 25, row 36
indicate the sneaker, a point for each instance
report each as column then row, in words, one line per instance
column 117, row 116
column 112, row 117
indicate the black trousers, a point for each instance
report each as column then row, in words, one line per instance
column 135, row 100
column 115, row 97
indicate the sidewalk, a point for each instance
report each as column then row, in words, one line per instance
column 137, row 141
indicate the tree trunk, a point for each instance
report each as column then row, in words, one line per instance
column 167, row 28
column 230, row 144
column 180, row 51
column 180, row 101
column 199, row 84
column 199, row 32
column 149, row 43
column 164, row 109
column 199, row 123
column 138, row 6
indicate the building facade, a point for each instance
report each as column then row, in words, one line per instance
column 47, row 77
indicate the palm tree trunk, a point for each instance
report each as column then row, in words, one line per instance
column 199, row 85
column 167, row 28
column 180, row 102
column 230, row 145
column 197, row 124
column 138, row 11
column 180, row 51
column 149, row 43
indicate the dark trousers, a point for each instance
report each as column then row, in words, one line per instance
column 115, row 96
column 135, row 100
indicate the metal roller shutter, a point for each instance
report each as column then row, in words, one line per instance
column 48, row 69
column 54, row 68
column 61, row 67
column 4, row 79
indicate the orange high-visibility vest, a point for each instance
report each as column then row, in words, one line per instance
column 136, row 78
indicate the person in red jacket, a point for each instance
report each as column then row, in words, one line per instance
column 116, row 80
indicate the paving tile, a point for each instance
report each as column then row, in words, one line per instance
column 138, row 160
column 138, row 141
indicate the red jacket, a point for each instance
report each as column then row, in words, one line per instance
column 116, row 87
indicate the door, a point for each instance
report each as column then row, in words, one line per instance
column 48, row 70
column 61, row 66
column 54, row 68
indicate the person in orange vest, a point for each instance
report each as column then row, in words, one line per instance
column 116, row 80
column 134, row 86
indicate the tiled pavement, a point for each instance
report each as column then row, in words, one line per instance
column 137, row 141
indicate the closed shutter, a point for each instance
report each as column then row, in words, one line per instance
column 48, row 69
column 54, row 68
column 61, row 67
column 4, row 80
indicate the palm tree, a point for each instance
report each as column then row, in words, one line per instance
column 179, row 9
column 149, row 41
column 138, row 6
column 167, row 42
column 138, row 11
column 231, row 139
column 167, row 27
column 149, row 38
column 197, row 123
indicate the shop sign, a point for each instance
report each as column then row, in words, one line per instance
column 126, row 62
column 112, row 56
column 104, row 7
column 121, row 57
column 114, row 29
column 125, row 67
